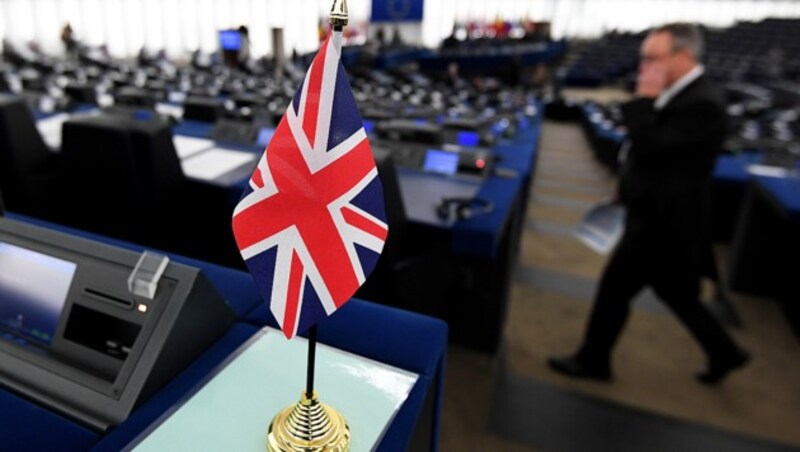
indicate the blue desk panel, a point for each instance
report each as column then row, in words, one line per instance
column 520, row 156
column 785, row 191
column 733, row 168
column 25, row 426
column 480, row 235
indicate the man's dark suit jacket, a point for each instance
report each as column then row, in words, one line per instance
column 665, row 182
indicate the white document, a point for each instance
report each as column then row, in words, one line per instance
column 602, row 227
column 186, row 147
column 769, row 171
column 212, row 164
column 50, row 129
column 176, row 111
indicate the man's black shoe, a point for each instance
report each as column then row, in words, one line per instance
column 716, row 372
column 572, row 367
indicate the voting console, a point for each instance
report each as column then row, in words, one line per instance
column 82, row 334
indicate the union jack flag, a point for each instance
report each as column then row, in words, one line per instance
column 311, row 224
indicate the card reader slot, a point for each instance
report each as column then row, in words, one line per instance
column 104, row 333
column 116, row 301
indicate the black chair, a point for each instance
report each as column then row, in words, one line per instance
column 406, row 130
column 191, row 217
column 126, row 181
column 207, row 109
column 83, row 93
column 29, row 172
column 101, row 180
column 136, row 97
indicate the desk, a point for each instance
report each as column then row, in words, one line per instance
column 402, row 339
column 482, row 250
column 766, row 246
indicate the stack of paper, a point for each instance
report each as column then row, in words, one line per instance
column 602, row 227
column 212, row 164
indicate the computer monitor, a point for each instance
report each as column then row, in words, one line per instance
column 467, row 138
column 442, row 162
column 230, row 40
column 33, row 290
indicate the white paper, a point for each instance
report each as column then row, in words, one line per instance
column 769, row 171
column 212, row 164
column 50, row 129
column 602, row 227
column 175, row 111
column 186, row 147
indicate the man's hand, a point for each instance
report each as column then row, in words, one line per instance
column 651, row 82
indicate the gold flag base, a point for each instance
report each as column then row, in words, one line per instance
column 308, row 426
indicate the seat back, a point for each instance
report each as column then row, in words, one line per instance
column 102, row 178
column 23, row 153
column 194, row 217
column 207, row 109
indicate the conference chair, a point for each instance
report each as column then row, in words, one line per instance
column 83, row 93
column 135, row 97
column 192, row 217
column 29, row 172
column 101, row 179
column 130, row 184
column 203, row 108
column 407, row 130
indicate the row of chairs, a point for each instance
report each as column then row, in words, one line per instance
column 748, row 51
column 115, row 176
column 122, row 178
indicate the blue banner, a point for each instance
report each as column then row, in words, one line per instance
column 396, row 11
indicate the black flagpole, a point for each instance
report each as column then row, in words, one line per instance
column 312, row 332
column 312, row 351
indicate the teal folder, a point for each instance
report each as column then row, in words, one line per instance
column 231, row 411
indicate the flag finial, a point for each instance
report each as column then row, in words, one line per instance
column 339, row 14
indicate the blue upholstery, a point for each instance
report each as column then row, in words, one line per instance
column 731, row 169
column 518, row 157
column 197, row 129
column 27, row 426
column 784, row 190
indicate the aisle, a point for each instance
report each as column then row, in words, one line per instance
column 656, row 359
